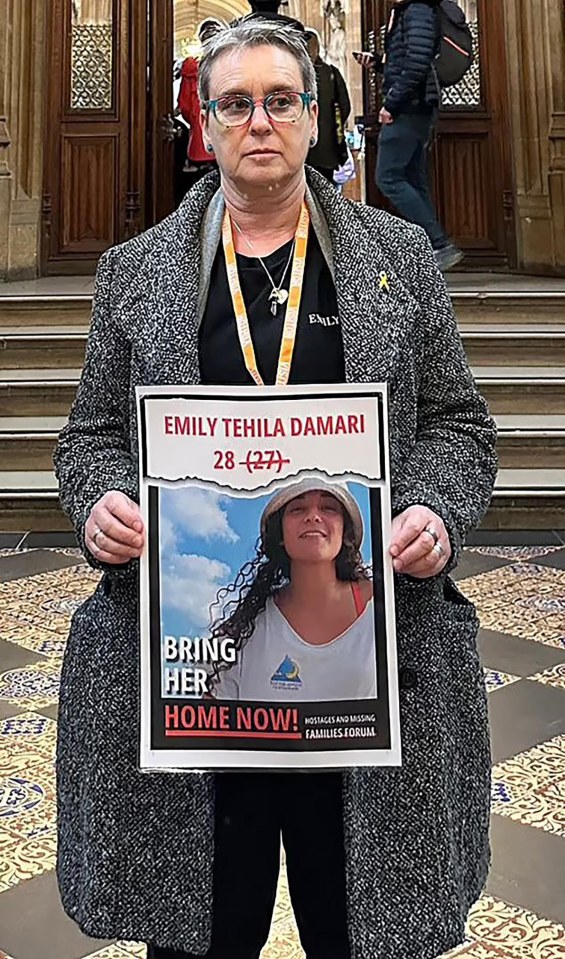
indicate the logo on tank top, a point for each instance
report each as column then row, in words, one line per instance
column 287, row 676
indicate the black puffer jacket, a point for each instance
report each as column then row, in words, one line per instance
column 411, row 44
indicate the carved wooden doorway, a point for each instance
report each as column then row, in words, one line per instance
column 471, row 164
column 111, row 140
column 94, row 158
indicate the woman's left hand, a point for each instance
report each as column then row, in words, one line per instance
column 419, row 545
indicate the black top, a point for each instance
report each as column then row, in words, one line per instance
column 318, row 351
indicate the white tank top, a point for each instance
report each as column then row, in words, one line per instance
column 276, row 664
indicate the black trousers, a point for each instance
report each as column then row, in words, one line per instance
column 253, row 810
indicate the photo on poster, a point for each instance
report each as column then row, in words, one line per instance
column 234, row 577
column 266, row 600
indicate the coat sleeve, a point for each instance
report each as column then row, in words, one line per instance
column 342, row 96
column 452, row 466
column 93, row 454
column 419, row 26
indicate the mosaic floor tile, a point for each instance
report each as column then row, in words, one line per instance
column 28, row 808
column 30, row 734
column 31, row 686
column 530, row 788
column 523, row 600
column 48, row 600
column 120, row 950
column 30, row 857
column 496, row 930
column 495, row 679
column 70, row 577
column 508, row 931
column 38, row 640
column 515, row 553
column 552, row 677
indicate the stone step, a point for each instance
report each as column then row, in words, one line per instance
column 519, row 391
column 42, row 348
column 499, row 307
column 523, row 499
column 527, row 499
column 28, row 443
column 514, row 348
column 45, row 310
column 62, row 347
column 37, row 392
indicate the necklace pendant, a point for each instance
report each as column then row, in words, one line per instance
column 277, row 298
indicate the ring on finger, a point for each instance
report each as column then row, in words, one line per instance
column 438, row 548
column 433, row 533
column 97, row 532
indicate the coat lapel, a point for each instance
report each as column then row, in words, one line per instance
column 173, row 307
column 376, row 309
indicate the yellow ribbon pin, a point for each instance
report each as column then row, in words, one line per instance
column 383, row 284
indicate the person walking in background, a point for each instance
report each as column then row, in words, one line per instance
column 411, row 100
column 199, row 160
column 334, row 105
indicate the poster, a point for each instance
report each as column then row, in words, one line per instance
column 266, row 594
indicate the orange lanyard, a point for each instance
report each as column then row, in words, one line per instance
column 293, row 303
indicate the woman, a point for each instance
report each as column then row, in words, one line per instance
column 381, row 862
column 303, row 623
column 199, row 161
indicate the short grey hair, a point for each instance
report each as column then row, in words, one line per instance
column 255, row 33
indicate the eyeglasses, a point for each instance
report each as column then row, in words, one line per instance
column 236, row 109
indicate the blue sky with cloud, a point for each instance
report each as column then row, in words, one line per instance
column 206, row 537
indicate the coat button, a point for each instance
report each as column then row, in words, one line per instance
column 408, row 678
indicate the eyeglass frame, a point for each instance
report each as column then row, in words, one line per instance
column 210, row 105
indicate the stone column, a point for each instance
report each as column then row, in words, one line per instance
column 556, row 53
column 23, row 77
column 535, row 35
column 5, row 173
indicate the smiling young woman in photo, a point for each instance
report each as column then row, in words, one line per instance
column 303, row 618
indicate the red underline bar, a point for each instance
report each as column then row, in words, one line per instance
column 222, row 733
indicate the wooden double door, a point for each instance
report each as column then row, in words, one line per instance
column 109, row 132
column 110, row 137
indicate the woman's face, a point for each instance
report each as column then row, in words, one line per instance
column 312, row 527
column 261, row 153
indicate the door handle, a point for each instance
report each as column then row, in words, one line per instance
column 168, row 129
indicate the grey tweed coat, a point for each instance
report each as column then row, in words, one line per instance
column 136, row 849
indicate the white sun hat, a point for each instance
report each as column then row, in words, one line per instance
column 339, row 490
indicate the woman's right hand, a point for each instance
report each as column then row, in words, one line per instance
column 114, row 530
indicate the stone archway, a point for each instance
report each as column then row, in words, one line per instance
column 535, row 37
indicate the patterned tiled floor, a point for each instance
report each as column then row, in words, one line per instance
column 520, row 596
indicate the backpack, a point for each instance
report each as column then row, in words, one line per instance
column 455, row 51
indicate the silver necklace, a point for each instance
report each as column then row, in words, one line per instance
column 277, row 296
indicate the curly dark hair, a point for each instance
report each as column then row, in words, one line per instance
column 266, row 574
